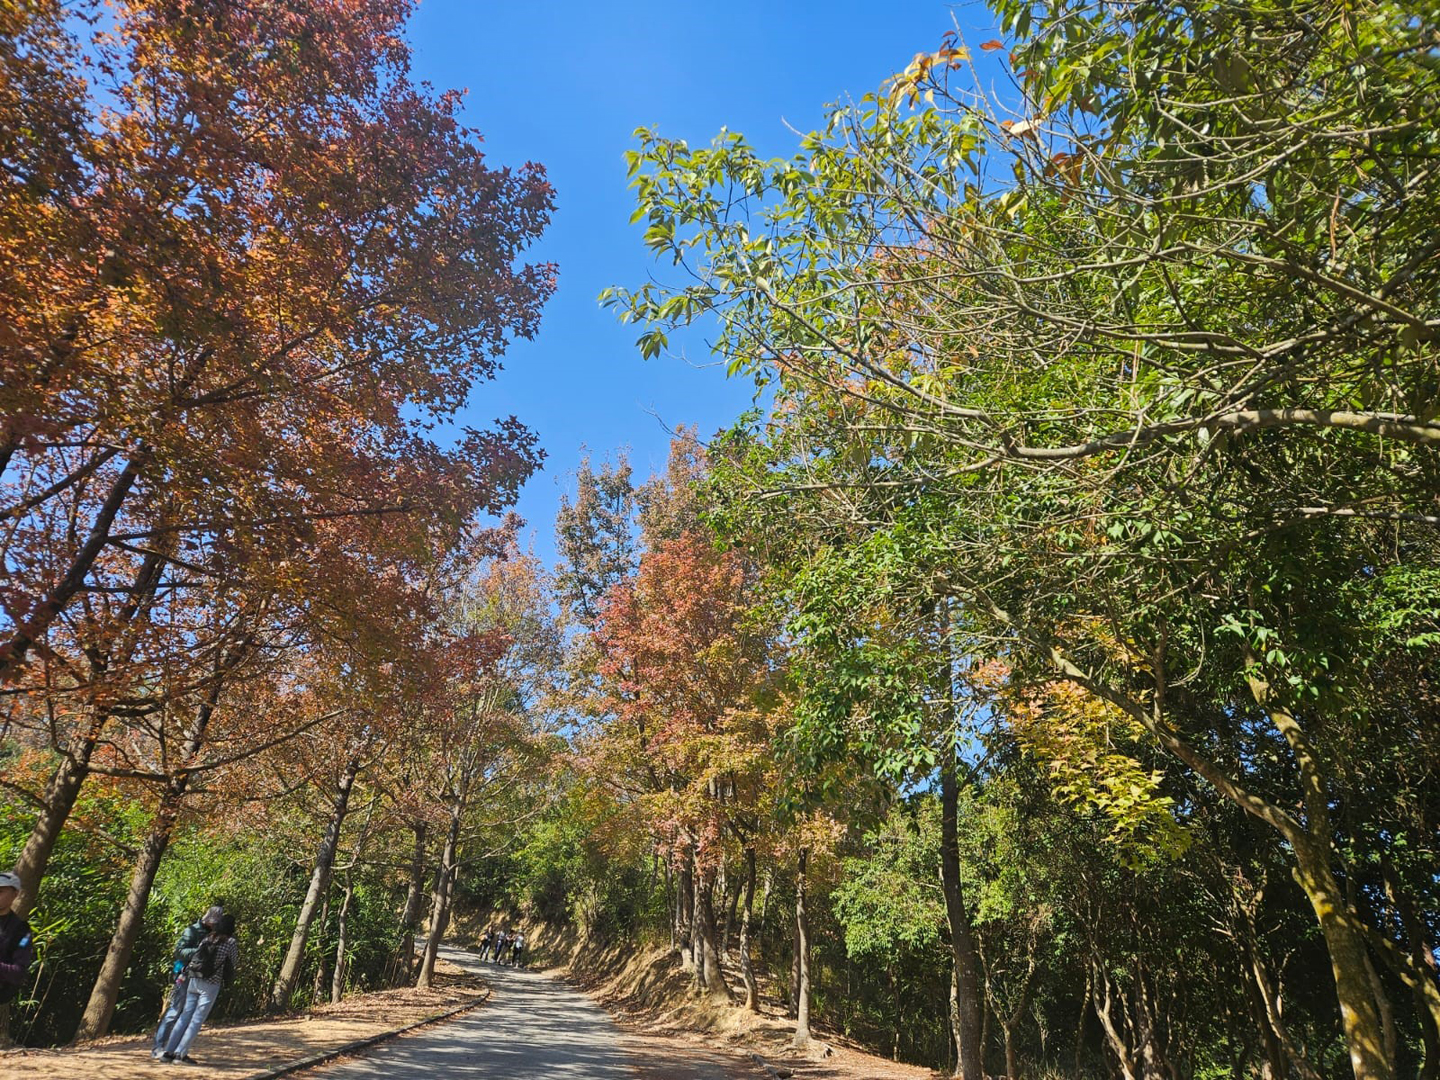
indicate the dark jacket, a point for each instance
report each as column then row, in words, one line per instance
column 190, row 939
column 17, row 950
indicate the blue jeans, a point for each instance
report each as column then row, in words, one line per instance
column 173, row 1008
column 200, row 998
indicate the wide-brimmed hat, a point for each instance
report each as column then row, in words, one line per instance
column 9, row 881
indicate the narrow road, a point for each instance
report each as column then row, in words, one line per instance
column 532, row 1026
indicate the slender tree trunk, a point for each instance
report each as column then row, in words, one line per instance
column 1390, row 1037
column 954, row 1018
column 732, row 908
column 411, row 916
column 686, row 912
column 440, row 900
column 337, row 985
column 968, row 1044
column 672, row 908
column 1012, row 1020
column 697, row 930
column 100, row 1009
column 1423, row 974
column 793, row 1000
column 1147, row 1039
column 1274, row 1066
column 747, row 968
column 984, row 1027
column 1102, row 997
column 765, row 885
column 317, row 946
column 1080, row 1023
column 319, row 885
column 802, row 952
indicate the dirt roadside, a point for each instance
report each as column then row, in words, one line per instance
column 236, row 1051
column 649, row 996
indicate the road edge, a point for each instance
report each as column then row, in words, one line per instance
column 367, row 1042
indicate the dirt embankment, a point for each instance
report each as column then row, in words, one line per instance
column 649, row 993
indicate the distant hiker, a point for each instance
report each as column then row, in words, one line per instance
column 485, row 940
column 211, row 966
column 499, row 946
column 17, row 951
column 517, row 950
column 185, row 946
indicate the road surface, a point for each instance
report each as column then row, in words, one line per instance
column 532, row 1026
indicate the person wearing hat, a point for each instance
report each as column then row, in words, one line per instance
column 17, row 950
column 211, row 967
column 189, row 940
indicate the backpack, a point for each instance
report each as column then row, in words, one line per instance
column 206, row 957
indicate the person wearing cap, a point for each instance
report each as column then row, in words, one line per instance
column 212, row 966
column 189, row 940
column 17, row 950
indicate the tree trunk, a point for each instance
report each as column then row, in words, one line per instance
column 413, row 897
column 968, row 1046
column 1012, row 1071
column 1359, row 1011
column 337, row 985
column 686, row 901
column 319, row 885
column 802, row 953
column 793, row 998
column 70, row 775
column 732, row 908
column 1102, row 997
column 317, row 943
column 712, row 980
column 1423, row 976
column 1080, row 1023
column 672, row 908
column 1147, row 1039
column 440, row 900
column 60, row 795
column 747, row 968
column 765, row 902
column 101, row 1007
column 697, row 930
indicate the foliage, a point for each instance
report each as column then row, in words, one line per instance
column 1135, row 368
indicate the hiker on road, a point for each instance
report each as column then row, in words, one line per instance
column 17, row 951
column 212, row 966
column 185, row 946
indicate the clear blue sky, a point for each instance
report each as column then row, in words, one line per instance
column 564, row 83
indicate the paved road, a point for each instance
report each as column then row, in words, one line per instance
column 532, row 1026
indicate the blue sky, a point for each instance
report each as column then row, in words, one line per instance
column 565, row 83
